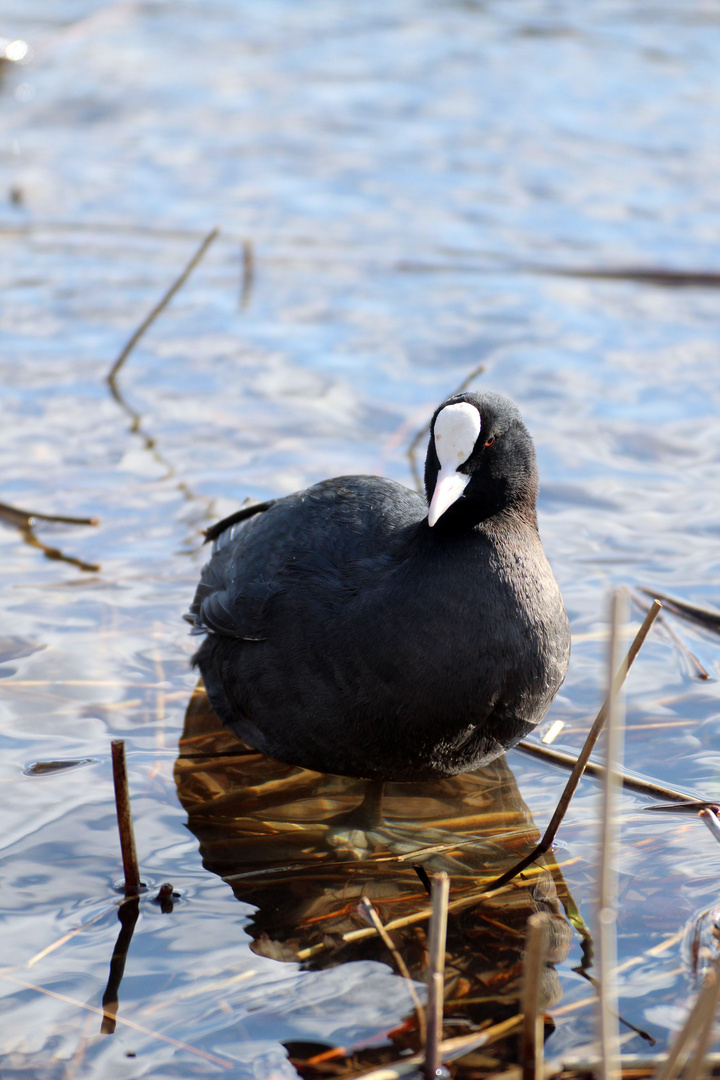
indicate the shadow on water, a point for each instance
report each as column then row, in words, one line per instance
column 304, row 848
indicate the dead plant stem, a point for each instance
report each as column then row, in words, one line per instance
column 582, row 760
column 124, row 816
column 161, row 305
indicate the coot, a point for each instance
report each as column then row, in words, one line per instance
column 352, row 628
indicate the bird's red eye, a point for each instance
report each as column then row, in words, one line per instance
column 490, row 441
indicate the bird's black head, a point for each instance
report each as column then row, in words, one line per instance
column 480, row 461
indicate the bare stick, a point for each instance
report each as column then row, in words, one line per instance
column 25, row 519
column 579, row 767
column 248, row 273
column 161, row 305
column 124, row 816
column 709, row 816
column 436, row 973
column 708, row 619
column 609, row 1033
column 679, row 799
column 535, row 957
column 53, row 553
column 369, row 909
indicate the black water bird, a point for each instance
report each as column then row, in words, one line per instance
column 352, row 628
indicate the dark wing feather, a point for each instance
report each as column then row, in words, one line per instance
column 242, row 514
column 213, row 609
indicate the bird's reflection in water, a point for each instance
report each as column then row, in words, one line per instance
column 304, row 848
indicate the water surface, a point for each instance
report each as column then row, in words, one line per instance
column 406, row 177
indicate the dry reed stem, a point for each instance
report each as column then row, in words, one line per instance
column 120, row 1020
column 369, row 909
column 709, row 816
column 160, row 306
column 698, row 1021
column 633, row 783
column 584, row 755
column 124, row 816
column 450, row 1050
column 66, row 937
column 25, row 519
column 475, row 896
column 607, row 871
column 248, row 273
column 707, row 618
column 437, row 936
column 700, row 671
column 536, row 944
column 54, row 553
column 698, row 1065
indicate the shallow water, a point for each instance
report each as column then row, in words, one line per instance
column 406, row 178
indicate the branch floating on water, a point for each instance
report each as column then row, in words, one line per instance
column 161, row 305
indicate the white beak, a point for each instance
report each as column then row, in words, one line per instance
column 448, row 489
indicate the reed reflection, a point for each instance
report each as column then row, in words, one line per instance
column 305, row 847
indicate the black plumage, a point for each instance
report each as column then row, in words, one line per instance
column 346, row 634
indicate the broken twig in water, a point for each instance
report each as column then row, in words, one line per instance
column 53, row 553
column 436, row 973
column 25, row 519
column 536, row 945
column 124, row 816
column 368, row 909
column 582, row 760
column 161, row 305
column 607, row 902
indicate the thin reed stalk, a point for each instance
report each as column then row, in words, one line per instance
column 698, row 1025
column 436, row 974
column 368, row 909
column 607, row 891
column 536, row 945
column 709, row 816
column 653, row 788
column 131, row 869
column 583, row 756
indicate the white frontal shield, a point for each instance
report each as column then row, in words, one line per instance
column 457, row 428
